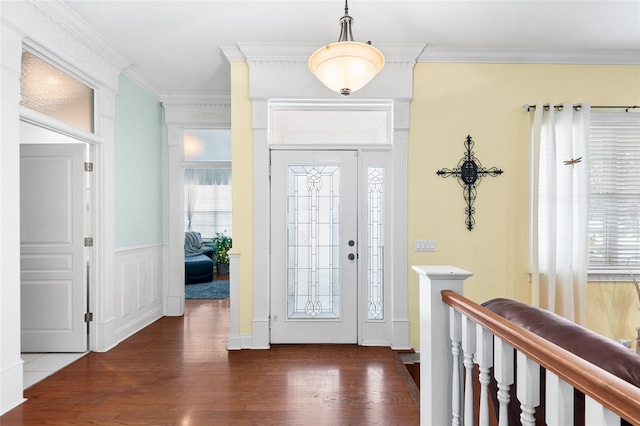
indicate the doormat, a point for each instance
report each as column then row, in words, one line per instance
column 213, row 290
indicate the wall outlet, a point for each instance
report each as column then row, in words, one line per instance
column 425, row 245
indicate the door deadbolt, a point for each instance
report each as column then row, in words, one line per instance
column 351, row 243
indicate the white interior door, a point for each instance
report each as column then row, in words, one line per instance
column 314, row 234
column 53, row 290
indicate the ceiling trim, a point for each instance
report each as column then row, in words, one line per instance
column 232, row 53
column 197, row 108
column 530, row 56
column 281, row 70
column 195, row 97
column 89, row 35
column 73, row 22
column 134, row 75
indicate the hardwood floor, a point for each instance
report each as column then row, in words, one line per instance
column 177, row 371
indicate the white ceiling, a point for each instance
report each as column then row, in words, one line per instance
column 174, row 45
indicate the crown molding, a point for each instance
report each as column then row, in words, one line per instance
column 134, row 75
column 232, row 53
column 195, row 97
column 69, row 17
column 298, row 53
column 281, row 70
column 197, row 108
column 73, row 23
column 531, row 56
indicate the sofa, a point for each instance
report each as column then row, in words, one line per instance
column 594, row 348
column 198, row 259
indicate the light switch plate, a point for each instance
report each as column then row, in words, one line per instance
column 425, row 245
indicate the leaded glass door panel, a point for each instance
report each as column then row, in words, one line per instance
column 314, row 207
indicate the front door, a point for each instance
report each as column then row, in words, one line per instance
column 314, row 247
column 53, row 290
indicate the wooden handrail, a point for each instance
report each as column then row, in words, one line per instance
column 617, row 395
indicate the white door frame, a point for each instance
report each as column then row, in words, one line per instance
column 279, row 72
column 37, row 25
column 93, row 146
column 182, row 112
column 398, row 307
column 102, row 77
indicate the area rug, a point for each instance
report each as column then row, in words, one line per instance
column 213, row 290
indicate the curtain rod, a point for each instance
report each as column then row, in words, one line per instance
column 577, row 107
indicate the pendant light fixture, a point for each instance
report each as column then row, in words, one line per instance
column 346, row 66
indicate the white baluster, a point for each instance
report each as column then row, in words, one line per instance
column 559, row 400
column 435, row 358
column 597, row 415
column 503, row 372
column 528, row 388
column 468, row 347
column 455, row 331
column 484, row 358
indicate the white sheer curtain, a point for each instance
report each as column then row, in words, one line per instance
column 193, row 178
column 560, row 208
column 191, row 182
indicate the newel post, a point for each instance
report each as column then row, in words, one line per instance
column 436, row 364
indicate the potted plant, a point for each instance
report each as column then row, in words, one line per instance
column 223, row 244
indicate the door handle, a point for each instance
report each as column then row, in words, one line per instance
column 351, row 256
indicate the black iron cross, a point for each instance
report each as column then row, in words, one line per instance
column 469, row 172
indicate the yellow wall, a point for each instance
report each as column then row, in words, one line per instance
column 485, row 101
column 242, row 190
column 450, row 102
column 613, row 310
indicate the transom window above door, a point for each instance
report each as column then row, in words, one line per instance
column 51, row 91
column 207, row 145
column 355, row 124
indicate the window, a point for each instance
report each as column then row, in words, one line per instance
column 207, row 181
column 207, row 201
column 48, row 90
column 614, row 212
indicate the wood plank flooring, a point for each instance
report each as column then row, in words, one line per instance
column 177, row 371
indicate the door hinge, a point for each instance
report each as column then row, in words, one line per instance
column 88, row 167
column 88, row 242
column 88, row 317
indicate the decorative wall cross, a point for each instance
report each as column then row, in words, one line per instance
column 469, row 172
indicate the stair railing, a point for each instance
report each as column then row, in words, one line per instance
column 472, row 335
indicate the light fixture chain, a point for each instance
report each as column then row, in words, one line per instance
column 345, row 25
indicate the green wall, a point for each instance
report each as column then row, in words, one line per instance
column 139, row 189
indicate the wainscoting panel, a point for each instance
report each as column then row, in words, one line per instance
column 138, row 288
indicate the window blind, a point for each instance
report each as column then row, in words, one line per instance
column 212, row 211
column 614, row 212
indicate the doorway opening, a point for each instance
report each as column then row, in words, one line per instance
column 56, row 215
column 207, row 212
column 55, row 210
